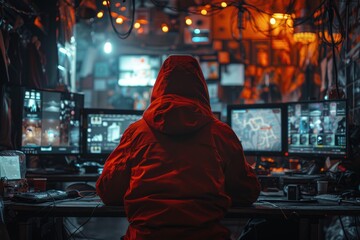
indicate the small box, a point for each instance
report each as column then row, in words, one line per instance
column 293, row 192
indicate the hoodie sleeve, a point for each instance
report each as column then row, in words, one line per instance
column 241, row 182
column 115, row 177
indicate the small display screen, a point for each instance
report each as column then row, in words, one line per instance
column 258, row 127
column 103, row 129
column 138, row 70
column 51, row 122
column 318, row 128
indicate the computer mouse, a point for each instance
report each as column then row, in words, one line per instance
column 83, row 189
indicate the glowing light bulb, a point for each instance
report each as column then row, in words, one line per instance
column 164, row 28
column 107, row 47
column 119, row 20
column 203, row 12
column 188, row 21
column 100, row 14
column 272, row 21
column 137, row 25
column 223, row 4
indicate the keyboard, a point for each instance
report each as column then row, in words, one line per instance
column 332, row 197
column 40, row 197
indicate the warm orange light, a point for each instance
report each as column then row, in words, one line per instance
column 272, row 21
column 281, row 16
column 203, row 12
column 137, row 25
column 304, row 37
column 100, row 14
column 123, row 9
column 114, row 15
column 140, row 31
column 119, row 20
column 223, row 4
column 336, row 36
column 117, row 4
column 188, row 21
column 104, row 3
column 164, row 28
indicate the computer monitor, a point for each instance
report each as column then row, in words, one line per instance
column 103, row 129
column 259, row 127
column 317, row 128
column 49, row 122
column 138, row 70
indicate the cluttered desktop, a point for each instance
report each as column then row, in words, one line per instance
column 294, row 144
column 297, row 150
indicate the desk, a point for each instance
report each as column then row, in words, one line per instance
column 93, row 207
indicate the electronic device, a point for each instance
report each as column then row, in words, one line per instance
column 49, row 121
column 232, row 74
column 41, row 197
column 138, row 70
column 102, row 130
column 210, row 67
column 317, row 128
column 259, row 128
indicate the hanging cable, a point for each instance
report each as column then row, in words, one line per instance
column 128, row 32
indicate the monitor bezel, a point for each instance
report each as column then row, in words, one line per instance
column 260, row 153
column 315, row 155
column 18, row 93
column 101, row 157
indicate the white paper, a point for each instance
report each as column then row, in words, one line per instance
column 10, row 167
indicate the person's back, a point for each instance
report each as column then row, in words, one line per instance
column 178, row 168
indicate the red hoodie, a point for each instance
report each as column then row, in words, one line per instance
column 177, row 170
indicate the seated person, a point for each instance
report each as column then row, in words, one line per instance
column 178, row 169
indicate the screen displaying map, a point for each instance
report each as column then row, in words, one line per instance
column 259, row 129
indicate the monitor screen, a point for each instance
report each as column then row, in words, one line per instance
column 258, row 127
column 50, row 122
column 232, row 74
column 138, row 70
column 103, row 129
column 317, row 128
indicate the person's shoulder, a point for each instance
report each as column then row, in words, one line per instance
column 222, row 129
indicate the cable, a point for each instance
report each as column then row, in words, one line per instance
column 274, row 205
column 128, row 32
column 87, row 220
column 356, row 227
column 343, row 228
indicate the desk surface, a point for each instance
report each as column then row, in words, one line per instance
column 93, row 207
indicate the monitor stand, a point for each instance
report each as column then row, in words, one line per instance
column 316, row 166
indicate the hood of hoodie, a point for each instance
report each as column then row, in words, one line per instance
column 180, row 100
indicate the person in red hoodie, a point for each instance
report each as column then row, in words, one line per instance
column 178, row 169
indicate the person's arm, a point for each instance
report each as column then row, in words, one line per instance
column 241, row 182
column 115, row 177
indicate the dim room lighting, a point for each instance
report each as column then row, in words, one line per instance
column 107, row 47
